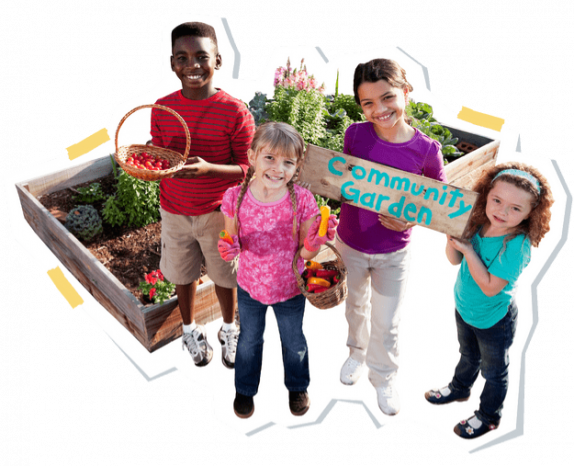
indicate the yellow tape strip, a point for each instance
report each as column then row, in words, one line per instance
column 85, row 146
column 65, row 287
column 481, row 119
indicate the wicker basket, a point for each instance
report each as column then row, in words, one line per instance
column 334, row 295
column 176, row 160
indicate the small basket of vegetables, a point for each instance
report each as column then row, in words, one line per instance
column 323, row 284
column 151, row 163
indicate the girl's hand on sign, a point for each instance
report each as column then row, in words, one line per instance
column 394, row 223
column 459, row 244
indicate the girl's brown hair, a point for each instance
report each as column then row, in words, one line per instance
column 281, row 139
column 381, row 69
column 538, row 222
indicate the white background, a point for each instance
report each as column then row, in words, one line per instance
column 429, row 350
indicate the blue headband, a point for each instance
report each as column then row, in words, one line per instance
column 520, row 174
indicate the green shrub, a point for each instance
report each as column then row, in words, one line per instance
column 90, row 194
column 136, row 200
column 301, row 109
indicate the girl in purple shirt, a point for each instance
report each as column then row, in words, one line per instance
column 375, row 247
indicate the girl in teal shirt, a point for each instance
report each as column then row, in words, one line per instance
column 512, row 212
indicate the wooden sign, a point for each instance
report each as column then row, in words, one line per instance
column 388, row 191
column 465, row 171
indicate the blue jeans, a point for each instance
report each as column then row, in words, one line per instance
column 249, row 356
column 485, row 350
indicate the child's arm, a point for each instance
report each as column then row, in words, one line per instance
column 453, row 256
column 230, row 225
column 490, row 284
column 305, row 253
column 196, row 166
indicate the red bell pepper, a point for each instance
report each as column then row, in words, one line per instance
column 328, row 274
column 308, row 273
column 312, row 287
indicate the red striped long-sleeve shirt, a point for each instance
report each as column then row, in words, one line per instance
column 221, row 129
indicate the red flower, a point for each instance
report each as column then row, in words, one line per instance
column 152, row 280
column 160, row 275
column 151, row 293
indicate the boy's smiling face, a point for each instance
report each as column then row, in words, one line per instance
column 194, row 60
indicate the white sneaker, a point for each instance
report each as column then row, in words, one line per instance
column 388, row 399
column 197, row 345
column 228, row 342
column 351, row 371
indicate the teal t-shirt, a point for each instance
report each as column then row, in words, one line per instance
column 503, row 261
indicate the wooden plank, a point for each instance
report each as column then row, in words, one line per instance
column 458, row 170
column 89, row 271
column 69, row 177
column 164, row 323
column 388, row 191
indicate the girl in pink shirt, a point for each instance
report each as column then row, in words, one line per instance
column 270, row 218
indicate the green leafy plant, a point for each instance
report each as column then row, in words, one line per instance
column 156, row 287
column 423, row 120
column 90, row 194
column 84, row 222
column 301, row 109
column 136, row 200
column 299, row 101
column 257, row 108
column 112, row 213
column 113, row 165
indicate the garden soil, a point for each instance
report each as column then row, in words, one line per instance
column 127, row 252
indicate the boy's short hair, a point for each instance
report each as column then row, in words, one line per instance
column 196, row 29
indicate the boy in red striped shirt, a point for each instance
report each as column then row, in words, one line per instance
column 221, row 128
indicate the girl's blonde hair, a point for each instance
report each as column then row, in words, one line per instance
column 538, row 222
column 281, row 139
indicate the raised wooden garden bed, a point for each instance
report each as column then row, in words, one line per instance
column 158, row 324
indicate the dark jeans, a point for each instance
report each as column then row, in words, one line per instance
column 248, row 360
column 487, row 350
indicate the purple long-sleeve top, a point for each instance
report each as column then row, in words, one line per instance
column 361, row 228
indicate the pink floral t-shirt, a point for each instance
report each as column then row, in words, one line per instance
column 267, row 243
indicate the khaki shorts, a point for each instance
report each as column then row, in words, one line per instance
column 185, row 241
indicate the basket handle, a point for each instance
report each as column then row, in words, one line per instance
column 160, row 107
